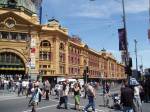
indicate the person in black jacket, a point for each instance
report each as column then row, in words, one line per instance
column 127, row 95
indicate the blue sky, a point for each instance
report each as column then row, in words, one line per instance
column 97, row 22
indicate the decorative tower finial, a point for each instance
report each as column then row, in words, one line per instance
column 12, row 3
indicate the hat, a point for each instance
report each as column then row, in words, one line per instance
column 133, row 82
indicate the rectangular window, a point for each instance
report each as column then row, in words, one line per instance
column 13, row 36
column 4, row 35
column 23, row 36
column 44, row 55
column 44, row 66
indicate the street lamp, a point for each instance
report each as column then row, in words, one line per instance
column 85, row 74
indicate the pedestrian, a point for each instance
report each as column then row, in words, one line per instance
column 41, row 88
column 91, row 96
column 20, row 88
column 127, row 95
column 61, row 98
column 146, row 89
column 24, row 87
column 64, row 95
column 137, row 99
column 106, row 89
column 30, row 85
column 47, row 89
column 77, row 89
column 35, row 97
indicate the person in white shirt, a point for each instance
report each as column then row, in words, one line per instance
column 64, row 95
column 91, row 96
column 137, row 98
column 24, row 85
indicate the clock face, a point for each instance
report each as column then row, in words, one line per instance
column 10, row 22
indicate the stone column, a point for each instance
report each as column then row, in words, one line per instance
column 34, row 64
column 56, row 55
column 66, row 58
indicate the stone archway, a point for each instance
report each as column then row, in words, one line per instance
column 12, row 62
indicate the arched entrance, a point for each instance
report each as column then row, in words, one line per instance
column 11, row 65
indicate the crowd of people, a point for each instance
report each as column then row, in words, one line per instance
column 132, row 93
column 63, row 92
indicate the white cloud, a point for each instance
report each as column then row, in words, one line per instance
column 106, row 8
column 96, row 9
column 136, row 6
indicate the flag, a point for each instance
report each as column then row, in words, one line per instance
column 149, row 34
column 122, row 39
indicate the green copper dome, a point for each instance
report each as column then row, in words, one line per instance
column 28, row 5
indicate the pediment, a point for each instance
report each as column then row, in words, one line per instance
column 18, row 19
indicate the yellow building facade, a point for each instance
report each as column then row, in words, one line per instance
column 29, row 48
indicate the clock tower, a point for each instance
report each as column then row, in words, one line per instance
column 19, row 38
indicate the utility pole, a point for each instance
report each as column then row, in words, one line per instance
column 126, row 42
column 149, row 13
column 135, row 41
column 127, row 59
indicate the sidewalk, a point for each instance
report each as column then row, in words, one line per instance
column 4, row 93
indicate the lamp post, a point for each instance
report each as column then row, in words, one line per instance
column 135, row 41
column 85, row 76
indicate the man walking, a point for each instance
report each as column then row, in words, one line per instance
column 35, row 97
column 47, row 89
column 91, row 95
column 127, row 95
column 64, row 95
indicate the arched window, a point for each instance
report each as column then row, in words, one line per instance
column 10, row 60
column 62, row 47
column 45, row 43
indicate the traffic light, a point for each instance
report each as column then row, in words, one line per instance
column 139, row 74
column 130, row 62
column 128, row 70
column 85, row 76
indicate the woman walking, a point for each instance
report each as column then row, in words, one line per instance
column 77, row 89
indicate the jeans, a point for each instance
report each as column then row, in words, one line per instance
column 106, row 99
column 127, row 109
column 91, row 103
column 63, row 99
column 66, row 102
column 138, row 103
column 47, row 94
